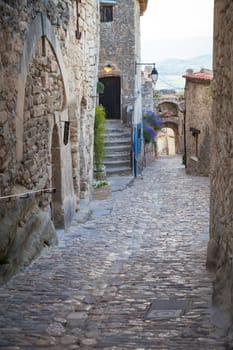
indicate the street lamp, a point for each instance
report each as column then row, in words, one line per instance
column 154, row 73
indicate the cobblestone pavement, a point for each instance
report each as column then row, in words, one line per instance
column 132, row 277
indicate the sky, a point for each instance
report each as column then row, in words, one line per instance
column 176, row 29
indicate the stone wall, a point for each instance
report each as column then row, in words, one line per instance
column 198, row 125
column 147, row 95
column 150, row 153
column 48, row 77
column 220, row 250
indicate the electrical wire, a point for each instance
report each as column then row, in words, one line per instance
column 169, row 84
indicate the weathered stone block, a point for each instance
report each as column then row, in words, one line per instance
column 3, row 117
column 38, row 111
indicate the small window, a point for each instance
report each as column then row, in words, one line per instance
column 194, row 144
column 106, row 13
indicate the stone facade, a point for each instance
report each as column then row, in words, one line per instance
column 198, row 101
column 48, row 75
column 220, row 249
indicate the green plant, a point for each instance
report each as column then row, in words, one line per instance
column 181, row 95
column 100, row 87
column 156, row 95
column 210, row 87
column 99, row 183
column 5, row 261
column 99, row 138
column 184, row 159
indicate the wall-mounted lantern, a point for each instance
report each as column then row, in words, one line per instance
column 108, row 68
column 154, row 73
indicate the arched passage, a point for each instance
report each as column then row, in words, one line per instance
column 172, row 116
column 168, row 108
column 174, row 134
column 166, row 142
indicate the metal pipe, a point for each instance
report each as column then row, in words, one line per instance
column 27, row 194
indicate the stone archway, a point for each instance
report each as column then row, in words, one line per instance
column 166, row 142
column 39, row 28
column 43, row 101
column 173, row 126
column 171, row 113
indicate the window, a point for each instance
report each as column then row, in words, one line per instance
column 106, row 13
column 195, row 133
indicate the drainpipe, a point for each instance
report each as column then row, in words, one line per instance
column 135, row 151
column 185, row 154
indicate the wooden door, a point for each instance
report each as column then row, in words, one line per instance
column 111, row 98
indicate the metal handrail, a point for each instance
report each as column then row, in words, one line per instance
column 27, row 194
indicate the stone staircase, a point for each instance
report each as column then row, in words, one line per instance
column 118, row 149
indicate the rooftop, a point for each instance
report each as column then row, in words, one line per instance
column 143, row 6
column 202, row 76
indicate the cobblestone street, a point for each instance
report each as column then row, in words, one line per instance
column 131, row 277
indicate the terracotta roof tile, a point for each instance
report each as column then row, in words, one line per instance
column 143, row 5
column 198, row 76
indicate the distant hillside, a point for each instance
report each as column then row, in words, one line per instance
column 172, row 69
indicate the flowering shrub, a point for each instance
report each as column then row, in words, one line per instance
column 151, row 124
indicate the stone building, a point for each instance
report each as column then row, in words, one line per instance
column 48, row 75
column 118, row 71
column 197, row 122
column 221, row 174
column 147, row 90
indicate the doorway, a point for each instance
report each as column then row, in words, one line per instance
column 111, row 98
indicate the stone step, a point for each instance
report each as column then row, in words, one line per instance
column 118, row 171
column 118, row 155
column 117, row 163
column 116, row 125
column 118, row 134
column 118, row 148
column 117, row 141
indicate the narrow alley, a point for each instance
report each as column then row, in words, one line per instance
column 132, row 277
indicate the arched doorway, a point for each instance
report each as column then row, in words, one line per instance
column 166, row 142
column 56, row 204
column 111, row 98
column 40, row 30
column 40, row 168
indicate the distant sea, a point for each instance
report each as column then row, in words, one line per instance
column 171, row 71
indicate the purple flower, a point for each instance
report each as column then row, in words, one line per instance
column 151, row 124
